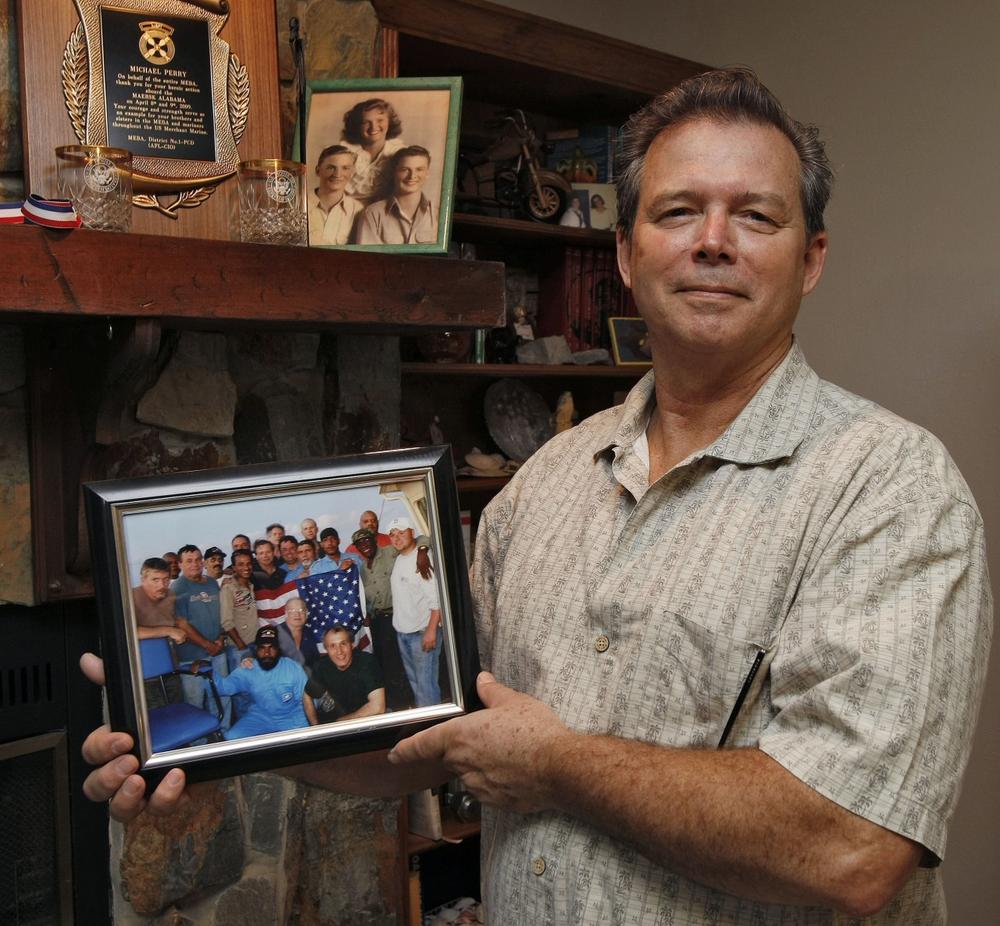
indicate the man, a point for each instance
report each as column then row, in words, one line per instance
column 274, row 533
column 153, row 607
column 329, row 541
column 240, row 542
column 215, row 562
column 352, row 679
column 573, row 216
column 174, row 564
column 406, row 215
column 331, row 211
column 276, row 687
column 416, row 615
column 197, row 602
column 305, row 551
column 309, row 529
column 238, row 616
column 741, row 553
column 268, row 574
column 369, row 522
column 289, row 553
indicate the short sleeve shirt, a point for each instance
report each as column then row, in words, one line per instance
column 819, row 534
column 413, row 596
column 198, row 603
column 149, row 613
column 349, row 688
column 276, row 693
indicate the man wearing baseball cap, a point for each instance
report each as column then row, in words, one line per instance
column 276, row 687
column 416, row 615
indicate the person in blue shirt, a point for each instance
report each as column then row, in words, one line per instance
column 276, row 686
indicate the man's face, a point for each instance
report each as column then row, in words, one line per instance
column 308, row 529
column 265, row 555
column 295, row 613
column 306, row 554
column 411, row 174
column 335, row 172
column 240, row 543
column 243, row 567
column 275, row 534
column 175, row 566
column 340, row 649
column 374, row 126
column 289, row 552
column 155, row 584
column 192, row 565
column 267, row 655
column 401, row 540
column 369, row 521
column 330, row 545
column 214, row 566
column 719, row 261
column 366, row 546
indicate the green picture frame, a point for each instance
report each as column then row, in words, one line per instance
column 398, row 140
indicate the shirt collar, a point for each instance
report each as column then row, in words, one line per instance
column 770, row 427
column 423, row 206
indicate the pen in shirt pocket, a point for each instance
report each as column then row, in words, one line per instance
column 745, row 689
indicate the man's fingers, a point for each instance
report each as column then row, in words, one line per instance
column 93, row 667
column 427, row 744
column 491, row 692
column 168, row 793
column 105, row 780
column 102, row 745
column 128, row 801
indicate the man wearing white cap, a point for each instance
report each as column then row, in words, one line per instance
column 416, row 615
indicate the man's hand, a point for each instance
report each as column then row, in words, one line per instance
column 176, row 635
column 347, row 564
column 429, row 642
column 116, row 780
column 424, row 566
column 504, row 754
column 213, row 647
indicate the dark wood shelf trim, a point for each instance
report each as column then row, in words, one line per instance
column 522, row 370
column 481, row 485
column 199, row 282
column 486, row 228
column 453, row 830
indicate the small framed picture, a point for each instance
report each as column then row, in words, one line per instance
column 601, row 204
column 263, row 616
column 380, row 162
column 630, row 341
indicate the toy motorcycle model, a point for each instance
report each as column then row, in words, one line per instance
column 520, row 182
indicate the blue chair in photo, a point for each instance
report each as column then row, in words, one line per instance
column 175, row 725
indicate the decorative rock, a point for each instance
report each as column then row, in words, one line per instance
column 266, row 797
column 296, row 418
column 194, row 393
column 550, row 350
column 12, row 374
column 367, row 398
column 260, row 360
column 10, row 94
column 149, row 453
column 591, row 357
column 340, row 39
column 16, row 575
column 248, row 903
column 197, row 848
column 252, row 436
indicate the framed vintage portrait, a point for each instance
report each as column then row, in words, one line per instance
column 380, row 162
column 323, row 638
column 630, row 341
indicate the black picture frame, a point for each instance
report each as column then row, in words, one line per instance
column 125, row 515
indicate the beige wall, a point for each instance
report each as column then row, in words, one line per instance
column 908, row 314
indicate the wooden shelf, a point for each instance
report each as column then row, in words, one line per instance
column 481, row 485
column 522, row 370
column 493, row 230
column 195, row 282
column 453, row 830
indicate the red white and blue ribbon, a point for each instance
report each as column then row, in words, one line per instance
column 52, row 213
column 11, row 214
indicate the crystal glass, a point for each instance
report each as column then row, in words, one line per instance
column 98, row 180
column 272, row 202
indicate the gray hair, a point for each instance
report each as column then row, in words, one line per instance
column 727, row 95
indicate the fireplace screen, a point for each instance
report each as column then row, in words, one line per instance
column 34, row 850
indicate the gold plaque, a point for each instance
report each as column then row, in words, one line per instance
column 155, row 77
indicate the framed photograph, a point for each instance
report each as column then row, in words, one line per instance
column 602, row 204
column 262, row 616
column 630, row 341
column 380, row 162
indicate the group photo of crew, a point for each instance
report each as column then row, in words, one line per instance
column 375, row 166
column 263, row 625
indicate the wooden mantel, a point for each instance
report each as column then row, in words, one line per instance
column 194, row 282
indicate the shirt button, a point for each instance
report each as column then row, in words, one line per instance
column 538, row 866
column 602, row 643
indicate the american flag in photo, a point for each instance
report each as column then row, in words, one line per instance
column 271, row 603
column 331, row 598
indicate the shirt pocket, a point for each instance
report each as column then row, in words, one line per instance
column 702, row 682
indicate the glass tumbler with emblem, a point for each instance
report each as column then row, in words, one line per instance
column 98, row 180
column 272, row 202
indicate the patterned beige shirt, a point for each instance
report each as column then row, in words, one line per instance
column 821, row 533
